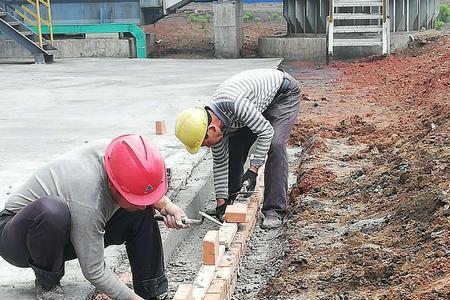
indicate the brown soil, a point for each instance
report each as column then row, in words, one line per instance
column 182, row 35
column 369, row 217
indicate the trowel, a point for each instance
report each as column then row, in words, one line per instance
column 205, row 215
column 187, row 221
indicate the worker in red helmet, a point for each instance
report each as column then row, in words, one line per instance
column 101, row 194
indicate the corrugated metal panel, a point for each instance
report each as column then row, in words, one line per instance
column 96, row 12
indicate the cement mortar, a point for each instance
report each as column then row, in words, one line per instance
column 265, row 251
column 187, row 259
column 195, row 193
column 261, row 262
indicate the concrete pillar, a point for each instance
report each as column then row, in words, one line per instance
column 228, row 28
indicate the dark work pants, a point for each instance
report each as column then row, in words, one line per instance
column 282, row 114
column 38, row 236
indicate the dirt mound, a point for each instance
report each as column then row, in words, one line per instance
column 370, row 215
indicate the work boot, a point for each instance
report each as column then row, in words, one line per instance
column 152, row 289
column 271, row 220
column 47, row 285
column 54, row 293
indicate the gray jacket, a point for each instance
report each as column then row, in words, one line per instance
column 79, row 178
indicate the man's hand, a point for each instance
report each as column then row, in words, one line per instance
column 105, row 297
column 173, row 214
column 220, row 208
column 250, row 177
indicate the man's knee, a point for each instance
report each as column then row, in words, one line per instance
column 52, row 211
column 277, row 146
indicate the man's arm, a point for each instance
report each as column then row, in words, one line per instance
column 247, row 112
column 220, row 169
column 87, row 232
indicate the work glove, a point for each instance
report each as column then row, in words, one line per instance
column 232, row 197
column 249, row 176
column 220, row 210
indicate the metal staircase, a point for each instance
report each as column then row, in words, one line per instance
column 14, row 15
column 358, row 23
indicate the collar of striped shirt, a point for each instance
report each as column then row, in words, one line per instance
column 220, row 114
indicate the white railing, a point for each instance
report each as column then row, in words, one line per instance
column 385, row 30
column 330, row 29
column 386, row 37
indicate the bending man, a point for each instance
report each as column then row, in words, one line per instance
column 99, row 195
column 257, row 105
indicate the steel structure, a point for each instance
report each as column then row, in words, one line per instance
column 139, row 12
column 310, row 16
column 37, row 17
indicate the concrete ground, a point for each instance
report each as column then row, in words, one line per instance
column 50, row 109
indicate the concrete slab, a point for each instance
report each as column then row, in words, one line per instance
column 50, row 109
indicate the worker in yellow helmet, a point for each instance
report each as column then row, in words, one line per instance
column 253, row 106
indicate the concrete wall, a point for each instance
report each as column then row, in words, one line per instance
column 312, row 48
column 72, row 48
column 293, row 48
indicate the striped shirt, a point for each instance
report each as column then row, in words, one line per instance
column 238, row 102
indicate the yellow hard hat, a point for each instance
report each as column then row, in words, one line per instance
column 191, row 127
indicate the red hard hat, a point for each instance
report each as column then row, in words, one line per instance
column 136, row 168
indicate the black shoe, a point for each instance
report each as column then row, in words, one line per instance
column 154, row 288
column 271, row 221
column 54, row 293
column 47, row 279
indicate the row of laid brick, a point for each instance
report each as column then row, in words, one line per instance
column 218, row 276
